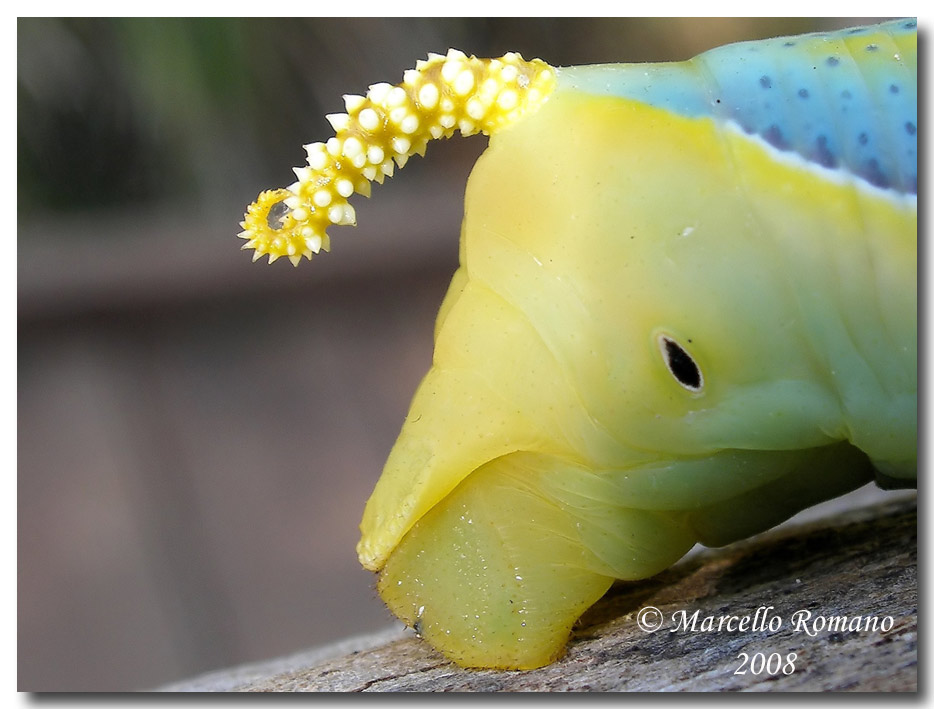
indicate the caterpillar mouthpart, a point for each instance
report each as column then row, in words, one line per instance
column 381, row 131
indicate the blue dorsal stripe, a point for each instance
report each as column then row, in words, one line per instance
column 845, row 99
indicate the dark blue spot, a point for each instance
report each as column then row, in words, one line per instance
column 823, row 154
column 846, row 94
column 893, row 89
column 773, row 135
column 857, row 30
column 910, row 128
column 788, row 44
column 803, row 93
column 874, row 174
column 832, row 61
column 863, row 139
column 910, row 24
column 765, row 82
column 872, row 47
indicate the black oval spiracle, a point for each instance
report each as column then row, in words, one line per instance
column 681, row 365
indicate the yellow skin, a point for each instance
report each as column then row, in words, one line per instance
column 551, row 449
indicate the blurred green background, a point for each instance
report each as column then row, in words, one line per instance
column 197, row 434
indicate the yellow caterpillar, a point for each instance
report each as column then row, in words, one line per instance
column 686, row 308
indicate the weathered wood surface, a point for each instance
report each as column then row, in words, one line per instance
column 859, row 563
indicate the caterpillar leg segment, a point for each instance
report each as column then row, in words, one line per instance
column 498, row 572
column 817, row 475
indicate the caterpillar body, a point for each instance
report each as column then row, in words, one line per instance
column 686, row 309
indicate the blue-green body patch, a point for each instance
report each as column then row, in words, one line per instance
column 845, row 99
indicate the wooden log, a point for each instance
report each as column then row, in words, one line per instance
column 793, row 585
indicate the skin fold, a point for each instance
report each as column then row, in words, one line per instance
column 554, row 446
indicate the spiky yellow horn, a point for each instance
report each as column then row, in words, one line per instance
column 390, row 123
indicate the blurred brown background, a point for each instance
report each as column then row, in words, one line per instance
column 197, row 434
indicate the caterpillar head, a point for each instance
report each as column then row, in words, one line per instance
column 623, row 365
